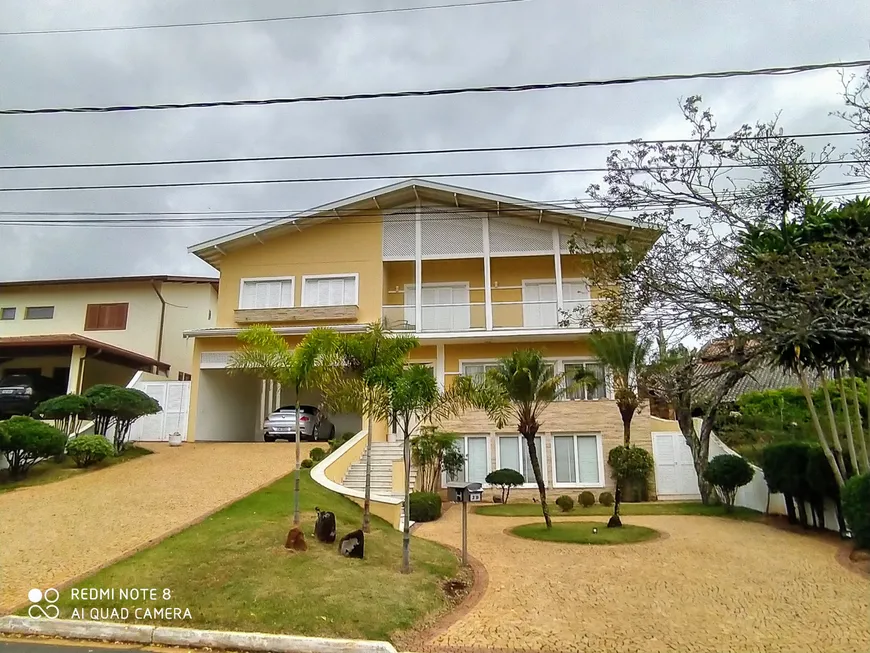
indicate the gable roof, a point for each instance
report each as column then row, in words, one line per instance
column 403, row 193
column 119, row 279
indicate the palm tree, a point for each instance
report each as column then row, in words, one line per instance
column 521, row 386
column 624, row 353
column 307, row 366
column 371, row 359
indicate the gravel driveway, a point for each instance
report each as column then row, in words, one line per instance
column 50, row 534
column 711, row 585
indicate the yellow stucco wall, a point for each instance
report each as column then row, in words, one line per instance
column 344, row 246
column 192, row 304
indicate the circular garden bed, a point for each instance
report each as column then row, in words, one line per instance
column 585, row 532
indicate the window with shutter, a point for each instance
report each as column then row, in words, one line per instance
column 476, row 453
column 585, row 392
column 577, row 460
column 266, row 293
column 513, row 453
column 106, row 317
column 340, row 290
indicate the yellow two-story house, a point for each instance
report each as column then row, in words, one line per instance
column 471, row 274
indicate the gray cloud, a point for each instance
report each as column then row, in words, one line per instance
column 539, row 40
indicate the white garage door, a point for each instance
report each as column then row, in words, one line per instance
column 675, row 472
column 174, row 398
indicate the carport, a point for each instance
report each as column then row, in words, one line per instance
column 231, row 406
column 74, row 361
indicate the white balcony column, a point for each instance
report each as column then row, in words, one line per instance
column 487, row 274
column 439, row 366
column 261, row 414
column 277, row 396
column 270, row 396
column 418, row 268
column 557, row 257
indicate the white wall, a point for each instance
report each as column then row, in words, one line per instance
column 189, row 306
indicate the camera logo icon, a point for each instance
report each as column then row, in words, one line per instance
column 43, row 603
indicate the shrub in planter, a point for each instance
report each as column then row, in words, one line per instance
column 605, row 499
column 586, row 499
column 86, row 450
column 505, row 479
column 317, row 454
column 424, row 506
column 565, row 502
column 24, row 441
column 856, row 508
column 307, row 463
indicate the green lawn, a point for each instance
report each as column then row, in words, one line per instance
column 232, row 572
column 651, row 508
column 49, row 471
column 585, row 533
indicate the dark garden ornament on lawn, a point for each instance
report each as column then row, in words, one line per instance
column 352, row 545
column 295, row 540
column 324, row 527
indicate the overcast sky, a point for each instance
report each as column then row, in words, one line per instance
column 525, row 42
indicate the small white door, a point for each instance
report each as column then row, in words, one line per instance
column 174, row 400
column 674, row 468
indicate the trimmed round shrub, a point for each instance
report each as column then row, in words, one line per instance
column 727, row 474
column 856, row 508
column 505, row 479
column 424, row 506
column 24, row 441
column 565, row 502
column 307, row 463
column 87, row 450
column 606, row 499
column 67, row 411
column 586, row 499
column 317, row 454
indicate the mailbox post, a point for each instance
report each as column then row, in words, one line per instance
column 464, row 493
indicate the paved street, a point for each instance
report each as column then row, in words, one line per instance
column 711, row 586
column 36, row 646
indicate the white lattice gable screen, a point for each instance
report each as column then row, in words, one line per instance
column 399, row 234
column 447, row 232
column 517, row 236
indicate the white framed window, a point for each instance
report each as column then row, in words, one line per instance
column 477, row 369
column 585, row 393
column 540, row 307
column 475, row 449
column 513, row 453
column 330, row 289
column 577, row 460
column 266, row 292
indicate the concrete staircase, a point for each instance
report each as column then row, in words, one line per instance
column 384, row 454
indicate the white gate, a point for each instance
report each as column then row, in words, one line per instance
column 174, row 398
column 675, row 471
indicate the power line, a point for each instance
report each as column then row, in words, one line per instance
column 390, row 153
column 370, row 12
column 784, row 70
column 437, row 175
column 216, row 219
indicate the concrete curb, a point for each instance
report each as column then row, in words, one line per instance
column 189, row 637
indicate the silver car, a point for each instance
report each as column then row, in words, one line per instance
column 281, row 425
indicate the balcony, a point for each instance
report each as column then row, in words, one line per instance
column 472, row 316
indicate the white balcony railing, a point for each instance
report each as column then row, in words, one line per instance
column 471, row 316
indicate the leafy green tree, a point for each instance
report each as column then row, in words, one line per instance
column 308, row 366
column 808, row 279
column 87, row 450
column 728, row 474
column 629, row 465
column 505, row 479
column 520, row 387
column 114, row 405
column 24, row 441
column 67, row 411
column 371, row 362
column 434, row 452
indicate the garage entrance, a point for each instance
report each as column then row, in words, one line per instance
column 232, row 407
